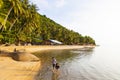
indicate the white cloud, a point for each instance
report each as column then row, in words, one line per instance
column 60, row 3
column 99, row 19
column 41, row 4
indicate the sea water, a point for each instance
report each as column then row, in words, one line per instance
column 99, row 63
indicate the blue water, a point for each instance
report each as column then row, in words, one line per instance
column 99, row 63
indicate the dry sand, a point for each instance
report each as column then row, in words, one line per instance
column 32, row 49
column 17, row 70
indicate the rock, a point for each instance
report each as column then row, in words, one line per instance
column 23, row 56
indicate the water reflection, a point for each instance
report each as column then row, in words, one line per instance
column 67, row 60
column 55, row 74
column 101, row 63
column 60, row 55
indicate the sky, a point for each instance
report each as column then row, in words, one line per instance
column 99, row 19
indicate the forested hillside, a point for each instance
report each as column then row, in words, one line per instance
column 21, row 23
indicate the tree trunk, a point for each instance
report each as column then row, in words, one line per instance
column 12, row 24
column 5, row 21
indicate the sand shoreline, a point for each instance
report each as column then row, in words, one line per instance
column 17, row 70
column 32, row 49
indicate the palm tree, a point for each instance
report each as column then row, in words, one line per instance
column 30, row 20
column 11, row 6
column 1, row 3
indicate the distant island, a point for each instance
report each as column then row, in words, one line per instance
column 21, row 24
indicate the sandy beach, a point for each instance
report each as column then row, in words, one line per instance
column 14, row 70
column 32, row 49
column 18, row 70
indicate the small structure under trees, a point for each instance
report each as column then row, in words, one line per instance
column 52, row 42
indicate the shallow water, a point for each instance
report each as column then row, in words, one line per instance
column 100, row 63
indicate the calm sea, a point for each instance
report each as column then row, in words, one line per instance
column 99, row 63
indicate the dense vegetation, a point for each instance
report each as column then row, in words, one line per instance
column 21, row 23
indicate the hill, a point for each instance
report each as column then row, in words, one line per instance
column 20, row 23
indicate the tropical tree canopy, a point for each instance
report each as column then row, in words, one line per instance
column 21, row 23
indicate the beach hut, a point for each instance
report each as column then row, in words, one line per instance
column 55, row 42
column 52, row 42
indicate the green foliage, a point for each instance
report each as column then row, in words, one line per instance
column 20, row 23
column 52, row 30
column 1, row 37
